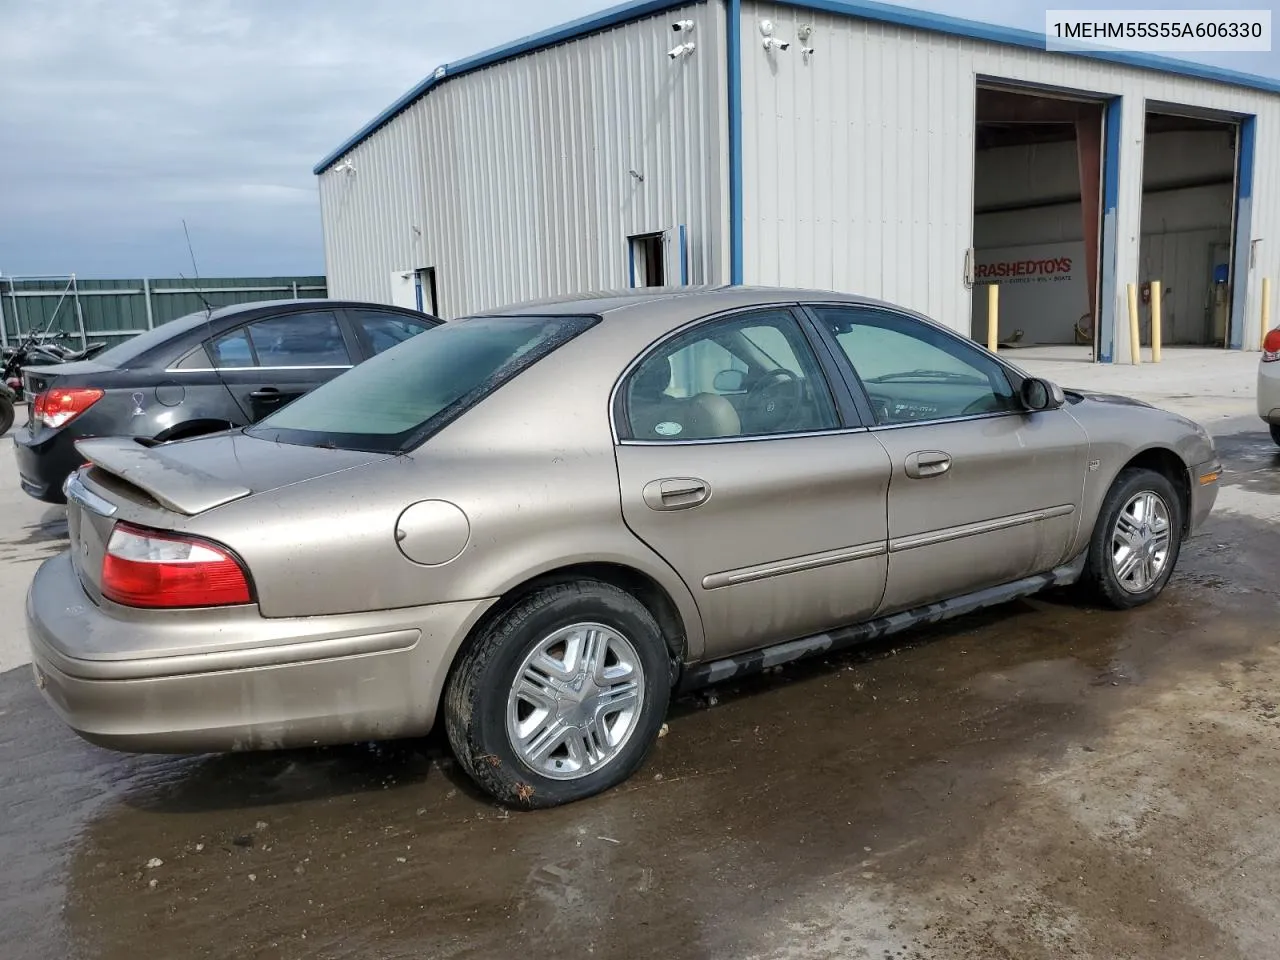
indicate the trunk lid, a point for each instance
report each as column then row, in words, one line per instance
column 39, row 379
column 162, row 486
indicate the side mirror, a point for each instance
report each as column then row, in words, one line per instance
column 1038, row 394
column 728, row 381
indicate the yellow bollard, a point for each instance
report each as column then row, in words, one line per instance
column 1135, row 340
column 1266, row 310
column 1156, row 332
column 993, row 317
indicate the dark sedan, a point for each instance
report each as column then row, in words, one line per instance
column 202, row 373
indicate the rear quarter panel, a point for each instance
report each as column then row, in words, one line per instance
column 533, row 469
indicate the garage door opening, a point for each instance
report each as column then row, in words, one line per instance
column 1189, row 190
column 1037, row 219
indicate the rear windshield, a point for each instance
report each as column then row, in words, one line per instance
column 395, row 400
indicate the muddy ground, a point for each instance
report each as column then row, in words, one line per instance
column 1043, row 780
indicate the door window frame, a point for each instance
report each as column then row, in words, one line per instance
column 853, row 382
column 850, row 416
column 428, row 321
column 355, row 349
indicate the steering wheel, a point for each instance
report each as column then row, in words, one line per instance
column 775, row 399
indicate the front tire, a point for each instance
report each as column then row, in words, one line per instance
column 7, row 415
column 561, row 697
column 1136, row 540
column 1275, row 432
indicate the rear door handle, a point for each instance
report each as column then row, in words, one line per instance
column 927, row 463
column 266, row 393
column 676, row 493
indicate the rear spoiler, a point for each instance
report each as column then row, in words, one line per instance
column 170, row 483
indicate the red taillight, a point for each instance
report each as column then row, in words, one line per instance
column 57, row 407
column 147, row 569
column 1271, row 346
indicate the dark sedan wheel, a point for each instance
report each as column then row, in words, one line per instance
column 561, row 697
column 1136, row 540
column 1275, row 432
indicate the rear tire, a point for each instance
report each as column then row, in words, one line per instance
column 1136, row 541
column 1275, row 432
column 7, row 415
column 561, row 697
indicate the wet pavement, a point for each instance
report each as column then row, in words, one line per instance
column 1041, row 780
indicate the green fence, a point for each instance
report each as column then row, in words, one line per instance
column 114, row 310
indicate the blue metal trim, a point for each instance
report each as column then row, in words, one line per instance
column 684, row 256
column 417, row 289
column 733, row 39
column 1105, row 322
column 1009, row 36
column 583, row 26
column 1248, row 135
column 1242, row 252
column 631, row 260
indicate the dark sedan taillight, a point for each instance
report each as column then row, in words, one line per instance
column 57, row 407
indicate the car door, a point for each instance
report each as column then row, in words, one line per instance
column 983, row 492
column 742, row 468
column 275, row 359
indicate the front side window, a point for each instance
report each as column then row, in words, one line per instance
column 913, row 372
column 408, row 393
column 751, row 376
column 382, row 331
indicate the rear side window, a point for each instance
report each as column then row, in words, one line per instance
column 408, row 393
column 312, row 339
column 300, row 340
column 232, row 350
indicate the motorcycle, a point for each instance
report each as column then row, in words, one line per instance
column 40, row 350
column 7, row 400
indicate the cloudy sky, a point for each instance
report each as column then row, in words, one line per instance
column 122, row 117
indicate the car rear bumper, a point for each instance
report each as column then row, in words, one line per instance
column 44, row 463
column 1269, row 391
column 309, row 681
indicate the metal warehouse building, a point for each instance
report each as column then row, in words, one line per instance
column 840, row 145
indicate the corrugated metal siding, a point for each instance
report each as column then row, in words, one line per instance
column 517, row 175
column 858, row 166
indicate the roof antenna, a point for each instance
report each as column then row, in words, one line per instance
column 208, row 329
column 208, row 307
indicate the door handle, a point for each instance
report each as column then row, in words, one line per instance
column 677, row 493
column 266, row 393
column 927, row 463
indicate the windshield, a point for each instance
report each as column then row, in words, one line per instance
column 394, row 401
